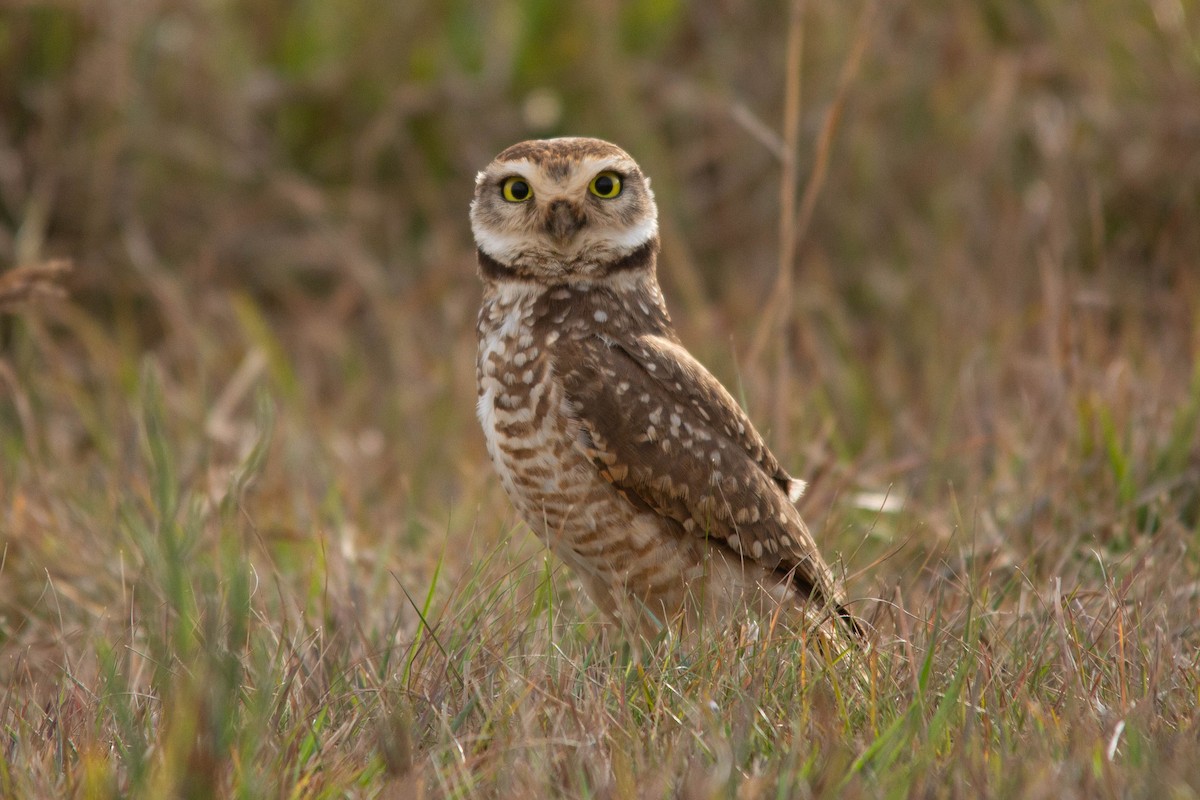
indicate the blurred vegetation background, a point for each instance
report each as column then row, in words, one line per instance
column 996, row 309
column 308, row 165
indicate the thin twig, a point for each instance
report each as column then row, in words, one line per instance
column 21, row 284
column 780, row 302
column 787, row 215
column 832, row 117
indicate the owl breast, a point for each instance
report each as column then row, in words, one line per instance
column 519, row 402
column 532, row 439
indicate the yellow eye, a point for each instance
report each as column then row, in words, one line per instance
column 516, row 190
column 606, row 185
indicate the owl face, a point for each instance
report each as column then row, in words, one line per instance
column 560, row 209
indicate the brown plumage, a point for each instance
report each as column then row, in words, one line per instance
column 618, row 448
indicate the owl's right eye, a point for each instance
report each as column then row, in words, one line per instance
column 516, row 190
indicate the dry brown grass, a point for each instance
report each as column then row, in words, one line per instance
column 249, row 542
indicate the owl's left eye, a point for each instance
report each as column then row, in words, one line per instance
column 606, row 185
column 516, row 190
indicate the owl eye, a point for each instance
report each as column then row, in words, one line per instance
column 516, row 190
column 606, row 185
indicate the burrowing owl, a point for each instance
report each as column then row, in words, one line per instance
column 619, row 449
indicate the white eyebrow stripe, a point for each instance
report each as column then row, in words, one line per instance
column 600, row 163
column 588, row 165
column 522, row 166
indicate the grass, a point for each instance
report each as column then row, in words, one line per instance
column 249, row 541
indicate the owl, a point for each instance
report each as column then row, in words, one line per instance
column 618, row 448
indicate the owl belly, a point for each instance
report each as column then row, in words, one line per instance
column 621, row 553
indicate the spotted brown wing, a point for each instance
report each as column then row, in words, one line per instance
column 664, row 432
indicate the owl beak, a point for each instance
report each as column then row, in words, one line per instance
column 563, row 219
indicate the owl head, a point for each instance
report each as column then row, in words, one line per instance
column 563, row 209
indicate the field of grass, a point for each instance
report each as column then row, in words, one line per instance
column 251, row 546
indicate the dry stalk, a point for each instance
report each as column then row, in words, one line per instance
column 777, row 313
column 19, row 285
column 787, row 218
